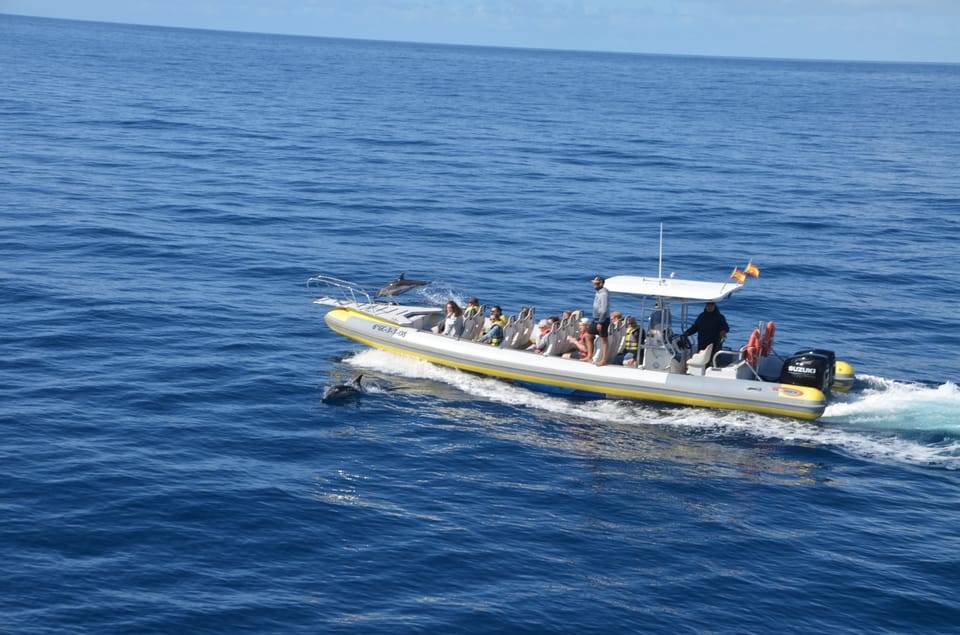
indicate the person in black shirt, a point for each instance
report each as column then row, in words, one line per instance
column 710, row 326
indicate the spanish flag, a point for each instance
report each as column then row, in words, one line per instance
column 738, row 275
column 752, row 270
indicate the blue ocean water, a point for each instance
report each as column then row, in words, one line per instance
column 167, row 465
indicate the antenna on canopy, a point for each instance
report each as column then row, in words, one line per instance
column 660, row 267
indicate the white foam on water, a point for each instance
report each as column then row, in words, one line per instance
column 374, row 387
column 439, row 293
column 848, row 425
column 901, row 404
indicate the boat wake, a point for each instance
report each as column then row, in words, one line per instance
column 890, row 403
column 881, row 419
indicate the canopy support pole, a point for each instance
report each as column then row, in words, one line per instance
column 660, row 266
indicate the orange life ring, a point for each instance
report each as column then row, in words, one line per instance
column 766, row 345
column 752, row 350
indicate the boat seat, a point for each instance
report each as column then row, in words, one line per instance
column 473, row 325
column 518, row 329
column 468, row 323
column 697, row 364
column 615, row 339
column 531, row 326
column 508, row 332
column 525, row 328
column 567, row 329
column 573, row 328
column 552, row 346
column 596, row 348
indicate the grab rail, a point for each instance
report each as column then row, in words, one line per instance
column 742, row 362
column 348, row 291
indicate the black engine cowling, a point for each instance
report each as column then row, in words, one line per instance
column 813, row 368
column 831, row 359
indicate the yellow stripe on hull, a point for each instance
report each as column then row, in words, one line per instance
column 806, row 394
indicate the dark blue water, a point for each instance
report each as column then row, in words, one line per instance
column 166, row 462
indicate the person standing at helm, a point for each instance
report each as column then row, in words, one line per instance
column 710, row 326
column 601, row 316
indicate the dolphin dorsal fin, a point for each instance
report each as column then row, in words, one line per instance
column 357, row 379
column 400, row 277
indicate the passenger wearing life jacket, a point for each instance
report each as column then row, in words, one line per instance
column 494, row 334
column 710, row 326
column 633, row 337
column 472, row 308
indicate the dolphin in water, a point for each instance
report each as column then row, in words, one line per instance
column 342, row 392
column 400, row 285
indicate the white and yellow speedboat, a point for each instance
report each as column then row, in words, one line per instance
column 752, row 378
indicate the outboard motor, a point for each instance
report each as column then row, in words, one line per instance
column 831, row 369
column 813, row 368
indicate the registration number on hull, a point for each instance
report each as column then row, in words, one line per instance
column 390, row 330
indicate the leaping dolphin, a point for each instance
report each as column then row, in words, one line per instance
column 400, row 285
column 342, row 392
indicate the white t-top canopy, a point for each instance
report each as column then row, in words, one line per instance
column 672, row 288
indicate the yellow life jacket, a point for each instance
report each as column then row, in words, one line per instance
column 502, row 322
column 631, row 342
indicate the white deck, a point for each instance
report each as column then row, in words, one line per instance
column 398, row 313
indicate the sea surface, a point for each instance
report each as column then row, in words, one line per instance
column 166, row 463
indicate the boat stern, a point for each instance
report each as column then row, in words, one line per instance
column 804, row 402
